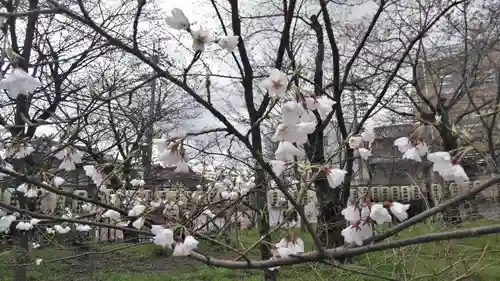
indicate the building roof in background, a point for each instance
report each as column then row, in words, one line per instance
column 166, row 177
column 393, row 131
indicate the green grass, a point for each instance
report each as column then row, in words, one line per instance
column 467, row 259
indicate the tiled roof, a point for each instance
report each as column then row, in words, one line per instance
column 393, row 131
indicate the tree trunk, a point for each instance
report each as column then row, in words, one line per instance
column 261, row 203
column 260, row 199
column 270, row 275
column 452, row 214
column 22, row 237
column 331, row 201
column 22, row 256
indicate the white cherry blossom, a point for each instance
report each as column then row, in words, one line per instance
column 184, row 248
column 357, row 233
column 278, row 166
column 200, row 38
column 296, row 133
column 22, row 188
column 32, row 193
column 292, row 112
column 163, row 237
column 229, row 43
column 287, row 151
column 351, row 214
column 422, row 148
column 412, row 154
column 335, row 176
column 399, row 210
column 447, row 168
column 111, row 214
column 182, row 167
column 455, row 173
column 322, row 104
column 87, row 207
column 208, row 213
column 58, row 181
column 364, row 153
column 276, row 84
column 355, row 142
column 19, row 82
column 287, row 248
column 139, row 223
column 224, row 195
column 5, row 223
column 233, row 195
column 368, row 136
column 178, row 20
column 22, row 225
column 96, row 176
column 171, row 154
column 137, row 210
column 380, row 214
column 441, row 161
column 137, row 182
column 19, row 151
column 403, row 144
column 69, row 158
column 62, row 230
column 83, row 227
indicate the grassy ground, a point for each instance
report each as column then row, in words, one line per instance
column 469, row 259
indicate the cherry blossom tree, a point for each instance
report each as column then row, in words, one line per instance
column 275, row 77
column 452, row 88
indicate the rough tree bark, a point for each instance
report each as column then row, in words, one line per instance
column 450, row 143
column 331, row 201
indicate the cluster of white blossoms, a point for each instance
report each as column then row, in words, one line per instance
column 362, row 218
column 201, row 37
column 96, row 175
column 69, row 158
column 288, row 247
column 172, row 154
column 19, row 82
column 415, row 148
column 7, row 220
column 165, row 238
column 31, row 191
column 19, row 150
column 356, row 143
column 297, row 120
column 448, row 167
column 233, row 189
column 335, row 176
column 162, row 236
column 137, row 182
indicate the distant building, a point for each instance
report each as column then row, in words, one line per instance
column 469, row 81
column 167, row 178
